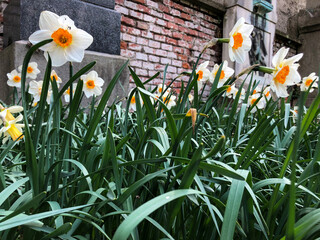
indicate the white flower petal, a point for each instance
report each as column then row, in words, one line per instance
column 48, row 21
column 58, row 56
column 74, row 54
column 81, row 38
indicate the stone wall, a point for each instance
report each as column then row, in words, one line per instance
column 3, row 4
column 156, row 33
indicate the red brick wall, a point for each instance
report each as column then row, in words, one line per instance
column 159, row 32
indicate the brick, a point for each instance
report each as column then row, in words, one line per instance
column 135, row 47
column 177, row 63
column 163, row 8
column 204, row 35
column 154, row 44
column 160, row 38
column 161, row 22
column 199, row 15
column 173, row 26
column 131, row 5
column 155, row 29
column 183, row 29
column 141, row 72
column 178, row 6
column 128, row 37
column 161, row 53
column 166, row 32
column 149, row 18
column 156, row 13
column 149, row 50
column 123, row 28
column 127, row 53
column 187, row 38
column 168, row 17
column 152, row 4
column 160, row 67
column 172, row 55
column 128, row 21
column 165, row 61
column 154, row 58
column 183, row 57
column 189, row 24
column 179, row 21
column 178, row 50
column 193, row 32
column 121, row 9
column 135, row 63
column 171, row 41
column 135, row 14
column 133, row 31
column 140, row 1
column 123, row 45
column 148, row 65
column 177, row 35
column 185, row 16
column 152, row 73
column 172, row 69
column 142, row 41
column 143, row 25
column 186, row 65
column 141, row 56
column 175, row 12
column 166, row 47
column 147, row 34
column 119, row 2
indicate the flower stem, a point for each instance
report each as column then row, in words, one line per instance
column 223, row 40
column 265, row 69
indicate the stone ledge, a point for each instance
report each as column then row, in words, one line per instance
column 106, row 66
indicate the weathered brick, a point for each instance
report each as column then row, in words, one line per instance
column 160, row 38
column 147, row 34
column 133, row 31
column 121, row 9
column 183, row 29
column 178, row 50
column 131, row 5
column 160, row 67
column 135, row 63
column 128, row 53
column 185, row 16
column 128, row 37
column 163, row 8
column 128, row 21
column 123, row 45
column 166, row 61
column 161, row 22
column 161, row 53
column 156, row 13
column 179, row 21
column 186, row 65
column 152, row 4
column 152, row 73
column 183, row 57
column 142, row 56
column 172, row 69
column 154, row 58
column 142, row 41
column 141, row 72
column 149, row 18
column 187, row 38
column 154, row 44
column 173, row 26
column 140, row 1
column 171, row 41
column 175, row 12
column 155, row 29
column 177, row 63
column 149, row 50
column 172, row 55
column 166, row 47
column 143, row 25
column 177, row 35
column 135, row 47
column 135, row 14
column 168, row 17
column 148, row 65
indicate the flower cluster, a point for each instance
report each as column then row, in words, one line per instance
column 14, row 77
column 11, row 127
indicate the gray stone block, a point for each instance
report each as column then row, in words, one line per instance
column 104, row 3
column 21, row 19
column 106, row 67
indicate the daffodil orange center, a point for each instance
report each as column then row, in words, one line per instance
column 267, row 94
column 29, row 69
column 133, row 100
column 308, row 82
column 68, row 91
column 222, row 74
column 200, row 75
column 160, row 89
column 237, row 40
column 254, row 92
column 229, row 89
column 62, row 37
column 54, row 77
column 16, row 79
column 253, row 101
column 282, row 75
column 90, row 84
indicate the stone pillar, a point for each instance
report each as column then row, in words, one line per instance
column 262, row 36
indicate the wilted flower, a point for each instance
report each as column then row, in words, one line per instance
column 203, row 74
column 68, row 92
column 32, row 70
column 226, row 73
column 285, row 72
column 307, row 81
column 68, row 43
column 240, row 42
column 54, row 76
column 35, row 88
column 92, row 84
column 14, row 79
column 190, row 97
column 11, row 128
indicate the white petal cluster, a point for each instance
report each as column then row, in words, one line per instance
column 68, row 43
column 240, row 42
column 92, row 84
column 32, row 70
column 226, row 73
column 203, row 74
column 310, row 81
column 35, row 89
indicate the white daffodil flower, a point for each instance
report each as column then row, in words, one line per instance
column 267, row 93
column 35, row 88
column 260, row 104
column 169, row 100
column 160, row 89
column 67, row 92
column 285, row 73
column 226, row 73
column 68, row 43
column 190, row 97
column 92, row 84
column 14, row 79
column 307, row 81
column 240, row 42
column 203, row 74
column 11, row 128
column 133, row 101
column 10, row 110
column 32, row 70
column 232, row 91
column 54, row 76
